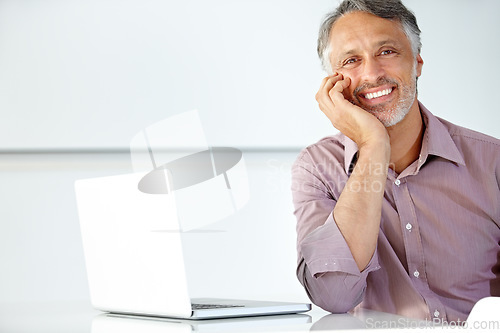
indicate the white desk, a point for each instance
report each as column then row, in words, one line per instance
column 35, row 267
column 79, row 317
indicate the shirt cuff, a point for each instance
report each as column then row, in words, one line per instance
column 325, row 250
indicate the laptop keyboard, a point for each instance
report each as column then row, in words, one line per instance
column 214, row 306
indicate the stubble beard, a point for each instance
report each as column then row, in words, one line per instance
column 391, row 115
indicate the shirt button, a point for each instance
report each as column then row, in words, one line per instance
column 397, row 182
column 436, row 313
column 408, row 227
column 416, row 274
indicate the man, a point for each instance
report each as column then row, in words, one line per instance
column 400, row 212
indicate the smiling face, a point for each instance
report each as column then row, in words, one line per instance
column 377, row 56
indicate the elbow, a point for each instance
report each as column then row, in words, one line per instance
column 339, row 305
column 330, row 293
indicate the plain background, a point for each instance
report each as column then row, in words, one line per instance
column 88, row 75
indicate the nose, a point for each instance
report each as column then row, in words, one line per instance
column 372, row 70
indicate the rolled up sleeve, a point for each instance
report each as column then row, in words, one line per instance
column 326, row 267
column 328, row 271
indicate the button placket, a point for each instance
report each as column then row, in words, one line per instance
column 410, row 231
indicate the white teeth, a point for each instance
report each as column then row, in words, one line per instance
column 378, row 94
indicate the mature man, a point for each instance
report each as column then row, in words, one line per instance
column 400, row 212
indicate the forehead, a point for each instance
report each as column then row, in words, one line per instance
column 357, row 31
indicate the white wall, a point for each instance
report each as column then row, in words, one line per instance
column 90, row 74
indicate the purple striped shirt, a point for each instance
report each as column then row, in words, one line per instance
column 438, row 249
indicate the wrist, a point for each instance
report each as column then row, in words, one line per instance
column 376, row 150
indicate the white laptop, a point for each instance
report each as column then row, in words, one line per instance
column 134, row 256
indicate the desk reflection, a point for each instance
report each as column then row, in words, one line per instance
column 344, row 321
column 107, row 323
column 366, row 319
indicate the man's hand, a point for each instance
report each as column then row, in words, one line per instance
column 359, row 125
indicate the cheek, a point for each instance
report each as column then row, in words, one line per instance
column 349, row 93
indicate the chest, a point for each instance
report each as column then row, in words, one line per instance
column 444, row 220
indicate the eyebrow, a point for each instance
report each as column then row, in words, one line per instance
column 393, row 42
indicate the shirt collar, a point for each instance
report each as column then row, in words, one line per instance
column 437, row 141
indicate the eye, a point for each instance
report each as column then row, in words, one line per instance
column 387, row 52
column 350, row 61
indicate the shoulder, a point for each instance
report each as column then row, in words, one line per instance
column 468, row 139
column 318, row 171
column 469, row 135
column 324, row 161
column 330, row 148
column 480, row 151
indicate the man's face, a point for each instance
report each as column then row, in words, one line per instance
column 377, row 56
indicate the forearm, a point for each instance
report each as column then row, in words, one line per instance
column 359, row 207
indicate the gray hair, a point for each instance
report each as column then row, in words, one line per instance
column 387, row 9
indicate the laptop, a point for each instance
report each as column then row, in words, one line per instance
column 133, row 247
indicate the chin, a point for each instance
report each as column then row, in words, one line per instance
column 391, row 117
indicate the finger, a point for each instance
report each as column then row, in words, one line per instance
column 325, row 102
column 332, row 80
column 341, row 85
column 326, row 85
column 322, row 93
column 336, row 93
column 329, row 81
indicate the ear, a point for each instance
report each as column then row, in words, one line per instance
column 420, row 64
